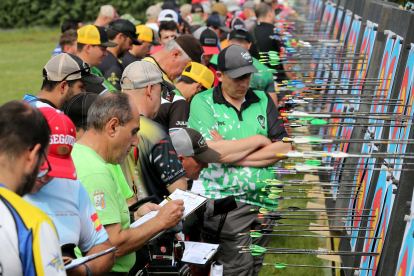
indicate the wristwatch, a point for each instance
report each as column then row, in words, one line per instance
column 88, row 271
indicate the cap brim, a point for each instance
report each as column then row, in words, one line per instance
column 235, row 73
column 208, row 156
column 92, row 79
column 62, row 168
column 168, row 84
column 211, row 50
column 108, row 44
column 134, row 38
column 224, row 29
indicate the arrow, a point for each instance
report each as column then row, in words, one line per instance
column 313, row 140
column 339, row 124
column 338, row 154
column 259, row 235
column 340, row 228
column 277, row 197
column 298, row 114
column 279, row 218
column 282, row 265
column 275, row 213
column 313, row 252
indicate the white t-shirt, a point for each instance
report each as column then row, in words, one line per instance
column 68, row 204
column 28, row 241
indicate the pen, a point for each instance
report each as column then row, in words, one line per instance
column 134, row 187
column 167, row 198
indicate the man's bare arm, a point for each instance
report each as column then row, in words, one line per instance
column 266, row 156
column 181, row 184
column 130, row 240
column 235, row 150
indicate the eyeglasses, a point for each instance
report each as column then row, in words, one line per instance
column 85, row 71
column 43, row 172
column 167, row 94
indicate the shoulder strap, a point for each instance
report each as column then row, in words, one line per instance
column 43, row 101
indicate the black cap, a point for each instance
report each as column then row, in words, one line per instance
column 235, row 61
column 190, row 142
column 237, row 23
column 170, row 5
column 191, row 46
column 197, row 7
column 127, row 28
column 241, row 34
column 77, row 108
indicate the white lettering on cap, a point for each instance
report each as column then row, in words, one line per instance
column 210, row 41
column 246, row 55
column 62, row 139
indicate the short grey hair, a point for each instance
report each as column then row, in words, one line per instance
column 262, row 9
column 104, row 108
column 173, row 45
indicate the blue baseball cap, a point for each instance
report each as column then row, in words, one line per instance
column 217, row 21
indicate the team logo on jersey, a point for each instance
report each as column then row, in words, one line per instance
column 261, row 120
column 56, row 262
column 113, row 78
column 99, row 200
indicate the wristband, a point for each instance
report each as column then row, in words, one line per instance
column 88, row 271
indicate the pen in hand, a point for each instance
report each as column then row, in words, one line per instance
column 167, row 198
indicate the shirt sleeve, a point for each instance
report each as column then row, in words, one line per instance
column 102, row 192
column 202, row 116
column 46, row 251
column 113, row 75
column 92, row 233
column 179, row 113
column 275, row 128
column 165, row 160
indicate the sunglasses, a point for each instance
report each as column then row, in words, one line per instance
column 167, row 94
column 85, row 71
column 44, row 172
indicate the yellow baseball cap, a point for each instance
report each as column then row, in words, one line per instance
column 146, row 34
column 94, row 35
column 199, row 73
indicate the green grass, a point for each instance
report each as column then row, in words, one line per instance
column 24, row 53
column 307, row 243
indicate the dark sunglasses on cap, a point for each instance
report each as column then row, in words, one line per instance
column 85, row 71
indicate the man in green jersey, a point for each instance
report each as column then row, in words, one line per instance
column 261, row 80
column 194, row 79
column 112, row 126
column 92, row 48
column 243, row 125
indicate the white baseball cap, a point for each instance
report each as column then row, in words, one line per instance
column 168, row 15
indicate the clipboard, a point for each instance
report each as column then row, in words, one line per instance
column 192, row 202
column 77, row 262
column 199, row 253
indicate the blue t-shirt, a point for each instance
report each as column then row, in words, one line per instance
column 67, row 203
column 28, row 98
column 57, row 51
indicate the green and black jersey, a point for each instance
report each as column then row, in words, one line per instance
column 258, row 115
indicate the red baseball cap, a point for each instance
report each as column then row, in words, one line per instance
column 62, row 139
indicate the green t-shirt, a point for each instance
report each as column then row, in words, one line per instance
column 106, row 83
column 262, row 80
column 101, row 183
column 258, row 115
column 123, row 184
